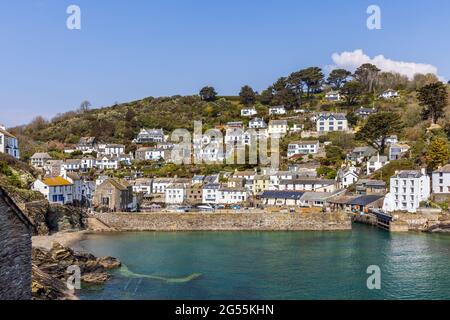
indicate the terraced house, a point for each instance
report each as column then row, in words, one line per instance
column 302, row 147
column 56, row 189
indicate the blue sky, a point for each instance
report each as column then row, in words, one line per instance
column 128, row 50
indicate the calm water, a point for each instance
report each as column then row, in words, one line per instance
column 278, row 265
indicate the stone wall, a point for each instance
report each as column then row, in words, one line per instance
column 418, row 222
column 15, row 254
column 225, row 221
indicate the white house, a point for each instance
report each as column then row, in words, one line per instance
column 175, row 193
column 159, row 185
column 210, row 193
column 347, row 176
column 389, row 94
column 39, row 159
column 107, row 162
column 441, row 180
column 407, row 189
column 277, row 110
column 232, row 195
column 87, row 144
column 111, row 149
column 150, row 135
column 142, row 185
column 72, row 164
column 9, row 144
column 329, row 122
column 87, row 162
column 77, row 183
column 278, row 127
column 56, row 190
column 397, row 150
column 365, row 112
column 376, row 163
column 248, row 112
column 308, row 184
column 333, row 96
column 281, row 198
column 303, row 147
column 150, row 154
column 257, row 123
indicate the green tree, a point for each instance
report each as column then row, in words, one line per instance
column 296, row 83
column 352, row 119
column 338, row 77
column 433, row 98
column 378, row 128
column 283, row 94
column 352, row 92
column 367, row 75
column 247, row 96
column 313, row 79
column 266, row 96
column 438, row 153
column 208, row 94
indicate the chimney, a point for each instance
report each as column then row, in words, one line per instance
column 423, row 171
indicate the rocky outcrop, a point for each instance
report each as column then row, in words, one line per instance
column 50, row 271
column 37, row 213
column 50, row 218
column 63, row 218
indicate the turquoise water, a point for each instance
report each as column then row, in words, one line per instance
column 273, row 265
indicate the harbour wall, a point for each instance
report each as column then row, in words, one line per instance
column 260, row 221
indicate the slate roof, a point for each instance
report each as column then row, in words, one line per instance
column 337, row 116
column 405, row 174
column 278, row 194
column 364, row 200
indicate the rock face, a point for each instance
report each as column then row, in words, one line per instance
column 49, row 218
column 62, row 218
column 50, row 271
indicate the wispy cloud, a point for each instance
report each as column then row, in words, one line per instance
column 351, row 60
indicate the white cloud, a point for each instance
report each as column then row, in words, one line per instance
column 352, row 60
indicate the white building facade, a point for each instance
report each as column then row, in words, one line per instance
column 407, row 190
